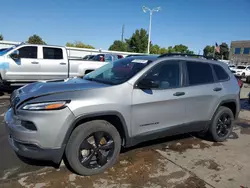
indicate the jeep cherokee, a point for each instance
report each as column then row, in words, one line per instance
column 121, row 104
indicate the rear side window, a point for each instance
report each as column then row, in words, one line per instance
column 52, row 53
column 220, row 73
column 199, row 73
column 28, row 52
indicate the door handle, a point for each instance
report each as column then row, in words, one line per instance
column 34, row 62
column 179, row 93
column 62, row 63
column 217, row 89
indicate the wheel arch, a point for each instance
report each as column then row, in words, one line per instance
column 113, row 117
column 230, row 103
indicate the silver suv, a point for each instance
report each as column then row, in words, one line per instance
column 121, row 104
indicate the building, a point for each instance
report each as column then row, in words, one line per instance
column 240, row 52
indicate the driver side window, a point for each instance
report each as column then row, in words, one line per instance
column 29, row 52
column 166, row 75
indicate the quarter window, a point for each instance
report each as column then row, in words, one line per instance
column 220, row 73
column 52, row 53
column 167, row 74
column 199, row 73
column 28, row 52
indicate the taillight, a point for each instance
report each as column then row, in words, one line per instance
column 240, row 83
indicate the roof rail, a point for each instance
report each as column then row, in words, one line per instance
column 187, row 55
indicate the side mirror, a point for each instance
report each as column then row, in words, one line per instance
column 148, row 84
column 15, row 55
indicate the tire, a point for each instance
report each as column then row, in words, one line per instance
column 79, row 135
column 248, row 79
column 213, row 128
column 243, row 75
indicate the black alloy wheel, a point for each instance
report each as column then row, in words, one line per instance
column 221, row 126
column 224, row 124
column 96, row 150
column 93, row 147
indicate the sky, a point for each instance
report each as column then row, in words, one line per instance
column 195, row 23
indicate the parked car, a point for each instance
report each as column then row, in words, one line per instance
column 27, row 63
column 232, row 67
column 3, row 49
column 123, row 103
column 100, row 60
column 88, row 57
column 242, row 70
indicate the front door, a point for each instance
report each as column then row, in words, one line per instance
column 160, row 107
column 54, row 64
column 27, row 67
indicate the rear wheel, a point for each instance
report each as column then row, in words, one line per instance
column 222, row 124
column 93, row 147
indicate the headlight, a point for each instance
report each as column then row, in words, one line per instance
column 45, row 106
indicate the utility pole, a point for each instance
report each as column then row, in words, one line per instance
column 122, row 32
column 145, row 9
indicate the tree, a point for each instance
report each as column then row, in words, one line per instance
column 181, row 49
column 208, row 51
column 138, row 42
column 1, row 37
column 155, row 49
column 79, row 44
column 163, row 51
column 119, row 46
column 35, row 39
column 224, row 51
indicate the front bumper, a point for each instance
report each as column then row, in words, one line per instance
column 46, row 141
column 32, row 151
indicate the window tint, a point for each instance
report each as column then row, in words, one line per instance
column 52, row 53
column 220, row 73
column 199, row 73
column 28, row 52
column 166, row 74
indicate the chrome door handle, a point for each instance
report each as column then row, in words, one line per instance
column 62, row 63
column 34, row 62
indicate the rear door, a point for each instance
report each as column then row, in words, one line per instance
column 27, row 67
column 54, row 64
column 202, row 91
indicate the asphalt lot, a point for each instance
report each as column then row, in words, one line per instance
column 180, row 161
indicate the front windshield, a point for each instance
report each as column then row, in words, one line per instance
column 118, row 71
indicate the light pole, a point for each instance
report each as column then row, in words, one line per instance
column 145, row 9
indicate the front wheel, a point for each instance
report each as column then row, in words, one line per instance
column 93, row 147
column 222, row 124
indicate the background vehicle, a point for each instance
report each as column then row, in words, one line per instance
column 104, row 58
column 88, row 57
column 154, row 97
column 242, row 70
column 2, row 49
column 232, row 67
column 26, row 63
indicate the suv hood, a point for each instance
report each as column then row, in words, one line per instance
column 54, row 86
